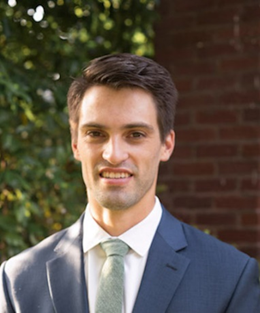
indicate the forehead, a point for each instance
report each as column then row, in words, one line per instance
column 125, row 104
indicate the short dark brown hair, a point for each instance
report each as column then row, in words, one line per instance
column 126, row 70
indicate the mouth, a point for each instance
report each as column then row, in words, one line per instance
column 115, row 174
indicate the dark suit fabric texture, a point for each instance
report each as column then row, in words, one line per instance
column 187, row 271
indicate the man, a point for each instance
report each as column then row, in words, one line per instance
column 121, row 116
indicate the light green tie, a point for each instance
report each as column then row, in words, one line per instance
column 111, row 285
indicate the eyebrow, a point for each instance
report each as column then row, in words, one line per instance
column 127, row 126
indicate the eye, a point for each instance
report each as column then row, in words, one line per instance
column 94, row 133
column 94, row 136
column 137, row 135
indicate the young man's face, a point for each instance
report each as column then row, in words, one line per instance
column 119, row 146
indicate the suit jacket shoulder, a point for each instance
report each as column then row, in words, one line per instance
column 41, row 253
column 187, row 271
column 198, row 273
column 36, row 279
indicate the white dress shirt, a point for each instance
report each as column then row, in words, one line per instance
column 138, row 238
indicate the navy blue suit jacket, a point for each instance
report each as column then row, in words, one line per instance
column 187, row 271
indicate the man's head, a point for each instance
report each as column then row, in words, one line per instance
column 121, row 117
column 126, row 71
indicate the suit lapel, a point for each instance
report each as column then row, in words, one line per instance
column 165, row 267
column 65, row 273
column 163, row 273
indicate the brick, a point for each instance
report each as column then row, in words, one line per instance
column 191, row 37
column 250, row 219
column 165, row 169
column 195, row 5
column 179, row 22
column 182, row 119
column 164, row 23
column 246, row 167
column 166, row 200
column 197, row 101
column 191, row 68
column 184, row 85
column 178, row 185
column 186, row 217
column 165, row 7
column 229, row 33
column 236, row 202
column 251, row 80
column 239, row 63
column 212, row 51
column 250, row 47
column 215, row 185
column 168, row 55
column 251, row 13
column 216, row 150
column 224, row 34
column 216, row 50
column 193, row 202
column 251, row 29
column 216, row 83
column 251, row 185
column 179, row 52
column 195, row 135
column 252, row 115
column 238, row 235
column 217, row 17
column 182, row 152
column 216, row 219
column 240, row 97
column 216, row 116
column 239, row 133
column 223, row 3
column 250, row 249
column 251, row 150
column 193, row 169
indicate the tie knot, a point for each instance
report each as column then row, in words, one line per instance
column 114, row 247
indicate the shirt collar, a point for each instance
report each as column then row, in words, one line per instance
column 93, row 234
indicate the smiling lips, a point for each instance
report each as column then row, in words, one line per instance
column 115, row 175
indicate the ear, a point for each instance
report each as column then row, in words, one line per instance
column 74, row 146
column 74, row 139
column 168, row 146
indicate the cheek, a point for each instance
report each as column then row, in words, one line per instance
column 87, row 173
column 151, row 161
column 90, row 162
column 87, row 153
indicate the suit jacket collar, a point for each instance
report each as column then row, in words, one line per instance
column 165, row 267
column 65, row 273
column 163, row 273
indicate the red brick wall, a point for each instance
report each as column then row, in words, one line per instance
column 212, row 49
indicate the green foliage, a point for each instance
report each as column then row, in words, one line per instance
column 42, row 45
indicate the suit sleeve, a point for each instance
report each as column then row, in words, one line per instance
column 246, row 297
column 5, row 303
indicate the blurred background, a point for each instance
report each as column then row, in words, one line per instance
column 212, row 51
column 44, row 44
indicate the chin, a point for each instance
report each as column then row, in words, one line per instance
column 116, row 204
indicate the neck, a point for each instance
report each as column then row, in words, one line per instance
column 116, row 222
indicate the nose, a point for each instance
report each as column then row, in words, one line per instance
column 115, row 151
